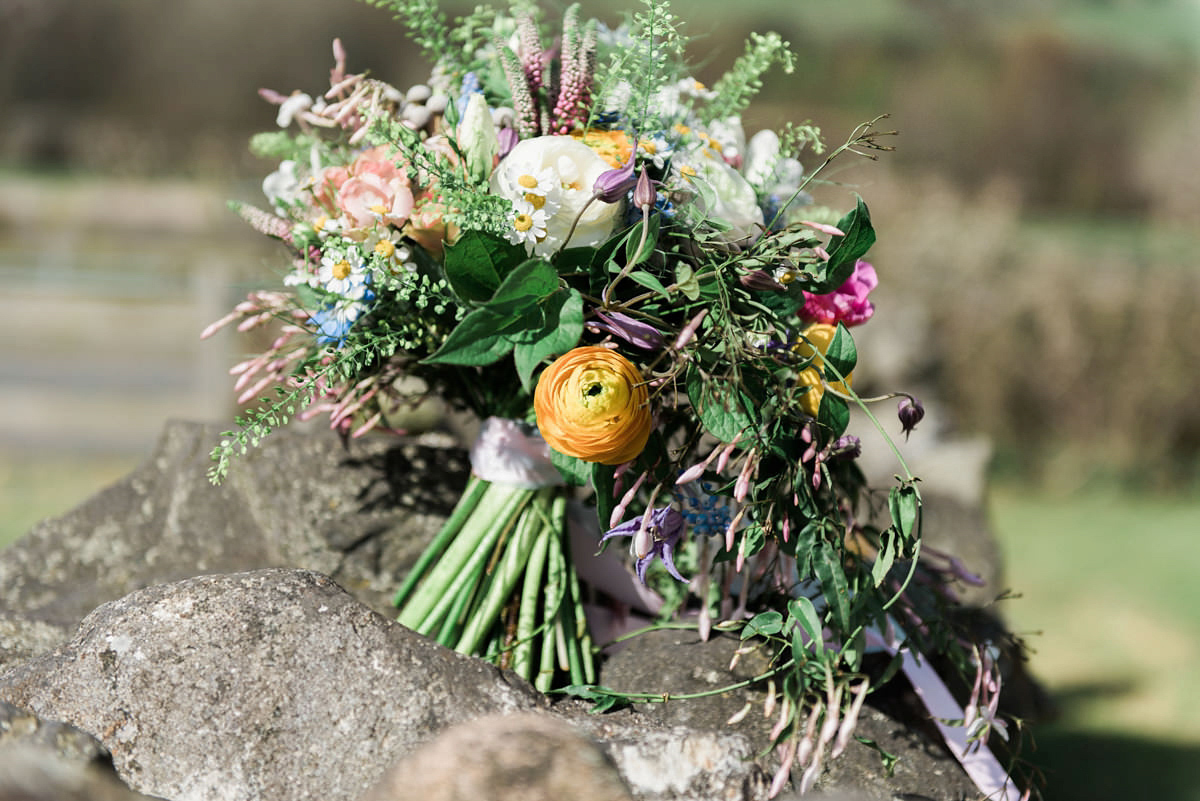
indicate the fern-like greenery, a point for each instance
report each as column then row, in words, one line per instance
column 743, row 81
column 651, row 59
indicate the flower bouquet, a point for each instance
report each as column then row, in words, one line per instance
column 566, row 234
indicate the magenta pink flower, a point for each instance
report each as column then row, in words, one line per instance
column 848, row 303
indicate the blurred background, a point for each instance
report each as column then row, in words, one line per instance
column 1037, row 254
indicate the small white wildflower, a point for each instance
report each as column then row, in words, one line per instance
column 343, row 272
column 528, row 224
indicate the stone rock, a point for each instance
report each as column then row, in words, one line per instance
column 20, row 728
column 303, row 499
column 271, row 684
column 47, row 760
column 277, row 684
column 29, row 773
column 677, row 661
column 679, row 763
column 521, row 757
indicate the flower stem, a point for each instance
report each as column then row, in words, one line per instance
column 462, row 510
column 527, row 617
column 487, row 521
column 504, row 579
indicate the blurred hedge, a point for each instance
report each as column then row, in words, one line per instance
column 1038, row 212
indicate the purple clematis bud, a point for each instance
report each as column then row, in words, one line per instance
column 760, row 280
column 612, row 185
column 635, row 332
column 910, row 411
column 508, row 140
column 664, row 528
column 644, row 194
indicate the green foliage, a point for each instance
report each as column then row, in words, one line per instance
column 449, row 46
column 738, row 87
column 282, row 146
column 651, row 58
column 845, row 251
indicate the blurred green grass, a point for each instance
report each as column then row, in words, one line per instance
column 1111, row 609
column 34, row 487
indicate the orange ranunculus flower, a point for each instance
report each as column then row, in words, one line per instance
column 820, row 335
column 591, row 403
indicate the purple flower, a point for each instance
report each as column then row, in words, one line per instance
column 639, row 334
column 910, row 411
column 644, row 194
column 508, row 140
column 611, row 186
column 657, row 538
column 848, row 303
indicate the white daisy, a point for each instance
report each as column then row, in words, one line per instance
column 343, row 272
column 528, row 224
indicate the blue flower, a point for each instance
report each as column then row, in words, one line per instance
column 706, row 513
column 657, row 540
column 470, row 86
column 334, row 321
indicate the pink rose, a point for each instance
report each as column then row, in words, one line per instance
column 378, row 161
column 848, row 303
column 427, row 227
column 327, row 185
column 368, row 198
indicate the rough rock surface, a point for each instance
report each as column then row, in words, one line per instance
column 277, row 684
column 521, row 757
column 271, row 684
column 304, row 499
column 227, row 685
column 36, row 774
column 924, row 771
column 47, row 760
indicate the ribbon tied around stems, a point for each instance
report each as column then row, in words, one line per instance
column 513, row 452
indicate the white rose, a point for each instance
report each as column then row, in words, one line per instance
column 575, row 168
column 735, row 202
column 768, row 170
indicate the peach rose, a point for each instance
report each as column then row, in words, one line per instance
column 591, row 403
column 369, row 198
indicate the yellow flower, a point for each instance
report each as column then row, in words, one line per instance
column 820, row 335
column 591, row 403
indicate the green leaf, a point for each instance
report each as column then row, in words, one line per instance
column 853, row 651
column 527, row 285
column 650, row 282
column 720, row 410
column 477, row 262
column 573, row 470
column 889, row 760
column 842, row 354
column 634, row 256
column 904, row 504
column 827, row 563
column 603, row 698
column 474, row 341
column 562, row 329
column 685, row 279
column 834, row 414
column 604, row 483
column 805, row 614
column 885, row 558
column 801, row 646
column 764, row 624
column 845, row 251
